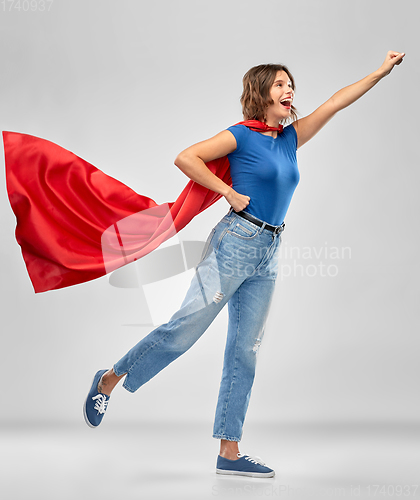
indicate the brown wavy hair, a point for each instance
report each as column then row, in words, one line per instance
column 255, row 98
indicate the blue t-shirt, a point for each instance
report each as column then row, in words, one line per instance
column 265, row 169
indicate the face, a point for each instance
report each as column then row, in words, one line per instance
column 282, row 94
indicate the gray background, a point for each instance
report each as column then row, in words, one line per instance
column 127, row 85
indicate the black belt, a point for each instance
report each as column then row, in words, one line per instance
column 274, row 229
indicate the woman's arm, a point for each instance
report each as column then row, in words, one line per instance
column 310, row 125
column 193, row 159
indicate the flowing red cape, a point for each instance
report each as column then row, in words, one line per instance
column 76, row 224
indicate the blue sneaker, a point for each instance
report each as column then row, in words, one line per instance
column 244, row 466
column 96, row 403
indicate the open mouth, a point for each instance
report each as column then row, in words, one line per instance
column 287, row 103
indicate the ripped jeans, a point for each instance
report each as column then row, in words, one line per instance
column 239, row 267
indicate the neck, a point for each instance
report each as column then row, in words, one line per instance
column 273, row 123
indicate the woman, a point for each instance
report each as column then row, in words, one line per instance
column 239, row 262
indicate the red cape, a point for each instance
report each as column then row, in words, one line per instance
column 76, row 224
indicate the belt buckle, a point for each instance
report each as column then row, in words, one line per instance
column 278, row 229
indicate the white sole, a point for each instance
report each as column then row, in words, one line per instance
column 241, row 473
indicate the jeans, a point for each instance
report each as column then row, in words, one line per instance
column 238, row 266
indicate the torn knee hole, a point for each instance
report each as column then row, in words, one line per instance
column 257, row 345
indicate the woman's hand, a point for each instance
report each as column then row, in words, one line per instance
column 308, row 126
column 392, row 59
column 237, row 201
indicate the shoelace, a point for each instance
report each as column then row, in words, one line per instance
column 254, row 460
column 101, row 403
